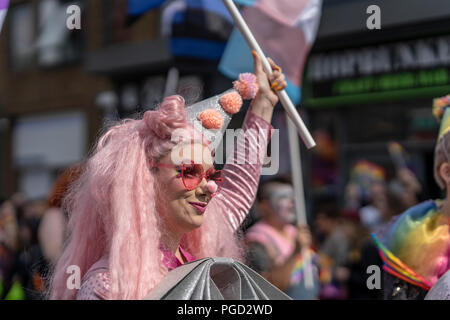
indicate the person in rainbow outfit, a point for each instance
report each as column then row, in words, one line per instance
column 415, row 246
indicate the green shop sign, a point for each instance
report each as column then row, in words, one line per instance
column 413, row 69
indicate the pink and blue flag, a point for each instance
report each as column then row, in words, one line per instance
column 3, row 9
column 284, row 29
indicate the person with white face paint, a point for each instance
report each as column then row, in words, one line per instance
column 275, row 243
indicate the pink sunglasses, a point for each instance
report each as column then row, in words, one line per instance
column 192, row 174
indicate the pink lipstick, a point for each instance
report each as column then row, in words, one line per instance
column 199, row 206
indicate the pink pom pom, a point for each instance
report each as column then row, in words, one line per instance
column 211, row 186
column 231, row 102
column 211, row 119
column 246, row 85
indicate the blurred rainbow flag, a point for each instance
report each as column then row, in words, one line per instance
column 300, row 263
column 364, row 173
column 368, row 169
column 285, row 30
column 3, row 9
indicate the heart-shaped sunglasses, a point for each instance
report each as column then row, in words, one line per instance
column 192, row 174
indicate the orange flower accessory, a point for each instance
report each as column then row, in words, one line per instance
column 231, row 102
column 211, row 119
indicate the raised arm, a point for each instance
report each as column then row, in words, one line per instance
column 243, row 167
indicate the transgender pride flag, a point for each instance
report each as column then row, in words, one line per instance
column 3, row 10
column 285, row 30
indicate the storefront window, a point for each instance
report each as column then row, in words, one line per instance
column 21, row 26
column 57, row 44
column 45, row 144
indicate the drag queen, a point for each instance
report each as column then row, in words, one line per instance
column 136, row 213
column 415, row 248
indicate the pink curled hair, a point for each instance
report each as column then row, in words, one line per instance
column 112, row 209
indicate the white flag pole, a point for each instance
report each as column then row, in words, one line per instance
column 283, row 96
column 300, row 207
column 173, row 77
column 295, row 124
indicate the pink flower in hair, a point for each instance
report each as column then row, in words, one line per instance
column 246, row 85
column 231, row 102
column 211, row 119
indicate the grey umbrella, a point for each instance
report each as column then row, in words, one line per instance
column 215, row 279
column 441, row 289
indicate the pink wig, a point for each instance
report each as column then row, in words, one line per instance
column 112, row 209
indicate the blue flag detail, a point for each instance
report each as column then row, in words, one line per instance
column 138, row 7
column 237, row 58
column 200, row 29
column 245, row 2
column 197, row 48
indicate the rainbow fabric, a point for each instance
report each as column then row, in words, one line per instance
column 297, row 274
column 416, row 247
column 317, row 262
column 368, row 169
column 441, row 111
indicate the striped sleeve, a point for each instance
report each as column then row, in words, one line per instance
column 242, row 171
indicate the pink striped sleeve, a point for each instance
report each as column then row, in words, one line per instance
column 242, row 171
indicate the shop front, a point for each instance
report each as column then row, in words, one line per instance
column 366, row 95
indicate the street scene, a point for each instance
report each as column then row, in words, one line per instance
column 224, row 150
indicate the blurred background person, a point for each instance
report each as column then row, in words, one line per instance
column 333, row 240
column 415, row 245
column 363, row 253
column 366, row 192
column 407, row 187
column 32, row 235
column 334, row 249
column 275, row 244
column 405, row 183
column 52, row 229
column 31, row 266
column 9, row 248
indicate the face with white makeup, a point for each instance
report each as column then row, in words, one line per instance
column 277, row 203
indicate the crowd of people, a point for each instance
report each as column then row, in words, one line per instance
column 32, row 235
column 338, row 241
column 130, row 214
